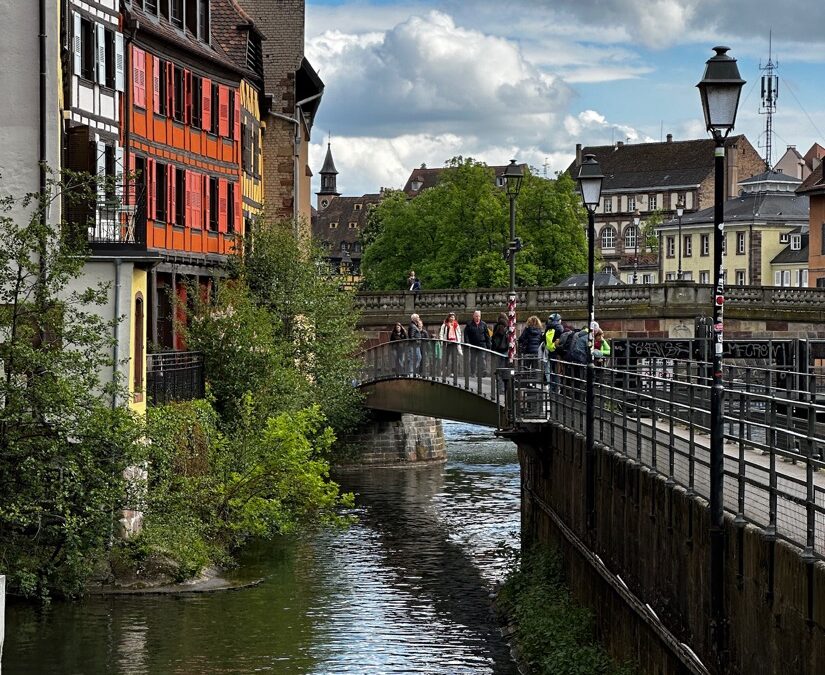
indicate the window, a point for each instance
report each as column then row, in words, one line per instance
column 176, row 12
column 704, row 277
column 231, row 112
column 670, row 244
column 608, row 204
column 687, row 276
column 213, row 127
column 357, row 207
column 333, row 226
column 804, row 281
column 177, row 83
column 230, row 207
column 740, row 243
column 740, row 277
column 110, row 163
column 160, row 84
column 109, row 51
column 353, row 225
column 786, row 277
column 704, row 244
column 783, row 237
column 139, row 357
column 608, row 237
column 796, row 242
column 213, row 204
column 151, row 6
column 687, row 245
column 724, row 245
column 652, row 201
column 181, row 192
column 160, row 192
column 631, row 202
column 203, row 20
column 670, row 276
column 246, row 147
column 197, row 100
column 87, row 47
column 647, row 278
column 630, row 237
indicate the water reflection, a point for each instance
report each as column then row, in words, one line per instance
column 403, row 591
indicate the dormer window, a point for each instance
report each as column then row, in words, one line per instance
column 254, row 53
column 353, row 225
column 357, row 207
column 501, row 181
column 784, row 238
column 151, row 6
column 333, row 226
column 796, row 242
column 176, row 12
column 416, row 184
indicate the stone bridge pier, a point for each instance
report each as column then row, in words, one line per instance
column 390, row 439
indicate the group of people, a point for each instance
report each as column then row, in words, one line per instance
column 553, row 343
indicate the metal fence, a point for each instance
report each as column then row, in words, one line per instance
column 174, row 376
column 460, row 365
column 655, row 411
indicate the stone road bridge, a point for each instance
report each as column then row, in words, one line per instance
column 640, row 560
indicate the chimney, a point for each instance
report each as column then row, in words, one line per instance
column 670, row 138
column 619, row 144
column 578, row 154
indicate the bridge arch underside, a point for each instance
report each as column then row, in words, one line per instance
column 430, row 399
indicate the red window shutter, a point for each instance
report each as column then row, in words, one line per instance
column 187, row 181
column 156, row 75
column 195, row 188
column 139, row 75
column 222, row 205
column 170, row 177
column 236, row 133
column 187, row 88
column 151, row 170
column 170, row 89
column 238, row 208
column 223, row 111
column 206, row 202
column 206, row 105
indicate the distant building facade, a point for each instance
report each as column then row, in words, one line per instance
column 653, row 178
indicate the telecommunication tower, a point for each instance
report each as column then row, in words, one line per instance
column 770, row 92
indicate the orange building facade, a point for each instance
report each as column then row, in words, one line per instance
column 182, row 143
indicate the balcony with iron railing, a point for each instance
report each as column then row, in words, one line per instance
column 174, row 376
column 117, row 227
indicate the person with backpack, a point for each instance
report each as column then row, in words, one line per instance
column 415, row 332
column 530, row 340
column 553, row 332
column 501, row 335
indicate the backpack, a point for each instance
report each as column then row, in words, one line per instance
column 578, row 350
column 500, row 339
column 564, row 344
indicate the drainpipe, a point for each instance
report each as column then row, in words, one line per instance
column 116, row 347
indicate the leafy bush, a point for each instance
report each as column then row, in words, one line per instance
column 554, row 634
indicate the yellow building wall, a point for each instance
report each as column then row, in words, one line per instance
column 137, row 400
column 253, row 186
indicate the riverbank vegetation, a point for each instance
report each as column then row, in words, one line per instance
column 554, row 635
column 454, row 235
column 278, row 339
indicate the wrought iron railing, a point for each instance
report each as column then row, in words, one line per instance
column 174, row 376
column 460, row 365
column 656, row 412
column 116, row 224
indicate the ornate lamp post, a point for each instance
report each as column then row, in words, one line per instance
column 637, row 218
column 513, row 177
column 590, row 185
column 680, row 210
column 720, row 89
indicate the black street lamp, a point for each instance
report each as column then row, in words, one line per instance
column 590, row 185
column 680, row 210
column 720, row 89
column 513, row 177
column 637, row 218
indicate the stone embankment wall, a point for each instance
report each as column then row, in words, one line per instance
column 397, row 440
column 652, row 548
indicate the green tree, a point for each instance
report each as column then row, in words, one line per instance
column 63, row 448
column 649, row 242
column 456, row 234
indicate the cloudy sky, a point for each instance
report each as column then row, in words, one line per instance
column 420, row 81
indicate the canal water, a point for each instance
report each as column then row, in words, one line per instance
column 405, row 590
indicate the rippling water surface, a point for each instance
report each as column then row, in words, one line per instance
column 405, row 590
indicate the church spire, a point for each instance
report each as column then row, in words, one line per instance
column 329, row 174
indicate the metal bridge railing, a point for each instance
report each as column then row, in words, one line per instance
column 656, row 412
column 460, row 365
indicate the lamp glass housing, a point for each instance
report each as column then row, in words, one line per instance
column 513, row 177
column 590, row 182
column 720, row 89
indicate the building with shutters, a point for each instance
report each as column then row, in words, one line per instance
column 182, row 141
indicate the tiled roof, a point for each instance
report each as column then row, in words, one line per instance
column 770, row 207
column 599, row 279
column 653, row 165
column 813, row 183
column 787, row 256
column 343, row 210
column 230, row 28
column 430, row 177
column 162, row 29
column 770, row 176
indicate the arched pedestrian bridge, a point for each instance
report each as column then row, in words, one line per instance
column 435, row 379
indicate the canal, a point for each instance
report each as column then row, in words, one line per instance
column 405, row 590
